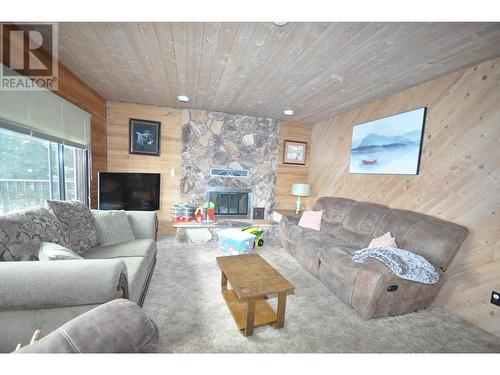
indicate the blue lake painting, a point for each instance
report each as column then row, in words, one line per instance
column 390, row 145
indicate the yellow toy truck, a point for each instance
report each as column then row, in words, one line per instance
column 258, row 233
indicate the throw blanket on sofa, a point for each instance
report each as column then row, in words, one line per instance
column 402, row 263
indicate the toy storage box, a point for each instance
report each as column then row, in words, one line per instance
column 234, row 241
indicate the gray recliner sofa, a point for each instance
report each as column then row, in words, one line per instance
column 119, row 326
column 370, row 288
column 46, row 294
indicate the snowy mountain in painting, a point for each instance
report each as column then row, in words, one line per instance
column 390, row 145
column 376, row 140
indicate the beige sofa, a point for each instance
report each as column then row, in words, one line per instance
column 46, row 294
column 370, row 288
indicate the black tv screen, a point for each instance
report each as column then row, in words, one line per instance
column 129, row 191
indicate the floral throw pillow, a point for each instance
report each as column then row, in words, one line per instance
column 5, row 255
column 77, row 221
column 22, row 232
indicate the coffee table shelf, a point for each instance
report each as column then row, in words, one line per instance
column 264, row 313
column 252, row 280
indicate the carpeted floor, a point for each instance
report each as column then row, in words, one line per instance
column 185, row 301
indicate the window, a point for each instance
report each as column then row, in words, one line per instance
column 75, row 173
column 33, row 170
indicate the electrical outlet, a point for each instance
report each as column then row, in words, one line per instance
column 495, row 298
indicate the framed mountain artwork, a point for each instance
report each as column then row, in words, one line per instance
column 390, row 145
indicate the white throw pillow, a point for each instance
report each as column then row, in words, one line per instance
column 53, row 251
column 112, row 227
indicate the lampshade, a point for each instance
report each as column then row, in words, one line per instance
column 302, row 190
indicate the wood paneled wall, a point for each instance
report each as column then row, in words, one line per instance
column 75, row 91
column 459, row 176
column 119, row 159
column 289, row 174
column 71, row 88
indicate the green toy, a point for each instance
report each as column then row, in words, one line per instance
column 258, row 233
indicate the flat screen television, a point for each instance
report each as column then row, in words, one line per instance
column 129, row 191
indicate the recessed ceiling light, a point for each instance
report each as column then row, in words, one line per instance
column 183, row 98
column 288, row 112
column 280, row 23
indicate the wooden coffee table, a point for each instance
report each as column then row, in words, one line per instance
column 253, row 280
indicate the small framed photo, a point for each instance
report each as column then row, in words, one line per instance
column 294, row 152
column 144, row 137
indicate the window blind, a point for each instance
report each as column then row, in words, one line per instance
column 45, row 115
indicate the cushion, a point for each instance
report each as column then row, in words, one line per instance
column 339, row 262
column 143, row 223
column 312, row 240
column 112, row 227
column 22, row 232
column 119, row 326
column 311, row 219
column 306, row 244
column 385, row 240
column 334, row 210
column 5, row 255
column 78, row 222
column 434, row 239
column 137, row 274
column 136, row 248
column 53, row 251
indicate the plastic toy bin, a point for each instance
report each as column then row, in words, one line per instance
column 234, row 241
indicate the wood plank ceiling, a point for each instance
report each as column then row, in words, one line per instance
column 316, row 69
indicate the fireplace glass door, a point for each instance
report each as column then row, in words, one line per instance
column 229, row 204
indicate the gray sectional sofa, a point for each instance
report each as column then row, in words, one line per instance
column 370, row 288
column 46, row 294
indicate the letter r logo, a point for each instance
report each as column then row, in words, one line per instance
column 29, row 48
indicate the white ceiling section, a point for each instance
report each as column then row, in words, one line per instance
column 316, row 69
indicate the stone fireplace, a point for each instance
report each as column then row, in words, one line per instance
column 229, row 157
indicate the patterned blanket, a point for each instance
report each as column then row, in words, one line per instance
column 402, row 263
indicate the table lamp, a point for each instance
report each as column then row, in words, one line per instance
column 300, row 190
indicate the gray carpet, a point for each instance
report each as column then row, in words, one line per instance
column 185, row 301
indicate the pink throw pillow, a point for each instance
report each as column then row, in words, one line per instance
column 384, row 241
column 311, row 219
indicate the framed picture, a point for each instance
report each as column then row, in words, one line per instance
column 390, row 145
column 144, row 137
column 294, row 152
